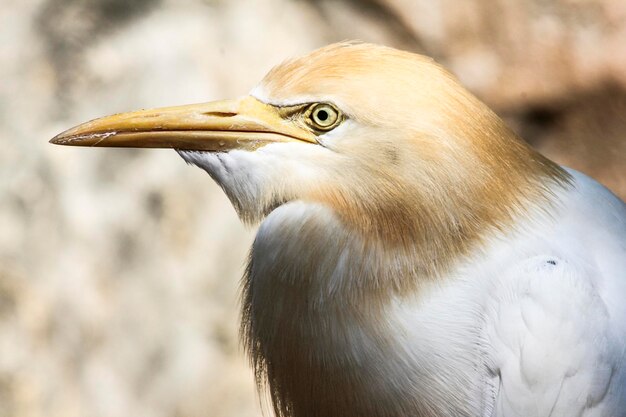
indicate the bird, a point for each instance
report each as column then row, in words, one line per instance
column 414, row 256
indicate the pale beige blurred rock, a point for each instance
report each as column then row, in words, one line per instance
column 119, row 269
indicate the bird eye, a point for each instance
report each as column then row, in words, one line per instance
column 323, row 116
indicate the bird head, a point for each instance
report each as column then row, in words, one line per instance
column 387, row 139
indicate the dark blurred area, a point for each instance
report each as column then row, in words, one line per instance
column 119, row 269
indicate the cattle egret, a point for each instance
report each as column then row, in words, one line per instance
column 414, row 256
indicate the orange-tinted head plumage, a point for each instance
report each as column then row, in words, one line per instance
column 414, row 158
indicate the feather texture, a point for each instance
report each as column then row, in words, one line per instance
column 422, row 260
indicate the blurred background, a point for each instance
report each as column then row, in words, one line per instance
column 119, row 269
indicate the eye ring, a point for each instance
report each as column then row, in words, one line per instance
column 323, row 116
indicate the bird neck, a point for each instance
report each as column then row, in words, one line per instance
column 326, row 274
column 439, row 203
column 324, row 332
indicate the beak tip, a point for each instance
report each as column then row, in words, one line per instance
column 62, row 139
column 65, row 138
column 78, row 137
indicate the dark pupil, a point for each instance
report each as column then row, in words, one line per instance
column 322, row 115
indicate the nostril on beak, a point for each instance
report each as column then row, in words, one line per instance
column 219, row 114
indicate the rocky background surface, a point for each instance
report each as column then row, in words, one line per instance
column 119, row 269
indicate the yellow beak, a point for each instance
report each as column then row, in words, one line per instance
column 217, row 126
